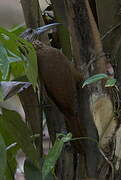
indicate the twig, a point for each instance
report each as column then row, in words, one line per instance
column 101, row 151
column 108, row 161
column 110, row 31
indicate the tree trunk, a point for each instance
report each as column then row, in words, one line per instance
column 110, row 29
column 86, row 43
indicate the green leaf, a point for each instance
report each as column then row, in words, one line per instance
column 53, row 155
column 67, row 137
column 110, row 82
column 17, row 69
column 94, row 78
column 18, row 29
column 22, row 49
column 51, row 158
column 31, row 172
column 6, row 58
column 3, row 159
column 9, row 40
column 4, row 62
column 11, row 153
column 12, row 122
column 11, row 163
column 31, row 67
column 13, row 57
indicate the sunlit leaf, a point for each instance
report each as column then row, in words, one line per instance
column 94, row 78
column 110, row 82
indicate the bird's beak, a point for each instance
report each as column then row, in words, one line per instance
column 31, row 34
column 45, row 28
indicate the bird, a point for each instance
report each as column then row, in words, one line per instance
column 59, row 76
column 63, row 85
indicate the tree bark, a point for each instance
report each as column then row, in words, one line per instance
column 86, row 43
column 110, row 29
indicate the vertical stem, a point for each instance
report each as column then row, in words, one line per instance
column 64, row 37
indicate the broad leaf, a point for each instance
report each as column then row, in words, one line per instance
column 11, row 88
column 12, row 122
column 94, row 78
column 22, row 49
column 11, row 152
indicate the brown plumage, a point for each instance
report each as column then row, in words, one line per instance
column 60, row 78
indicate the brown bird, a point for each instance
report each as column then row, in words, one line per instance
column 60, row 78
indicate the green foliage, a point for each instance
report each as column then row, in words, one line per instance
column 13, row 49
column 11, row 153
column 19, row 57
column 54, row 154
column 11, row 162
column 17, row 69
column 3, row 159
column 109, row 83
column 18, row 29
column 4, row 62
column 94, row 78
column 17, row 129
column 31, row 172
